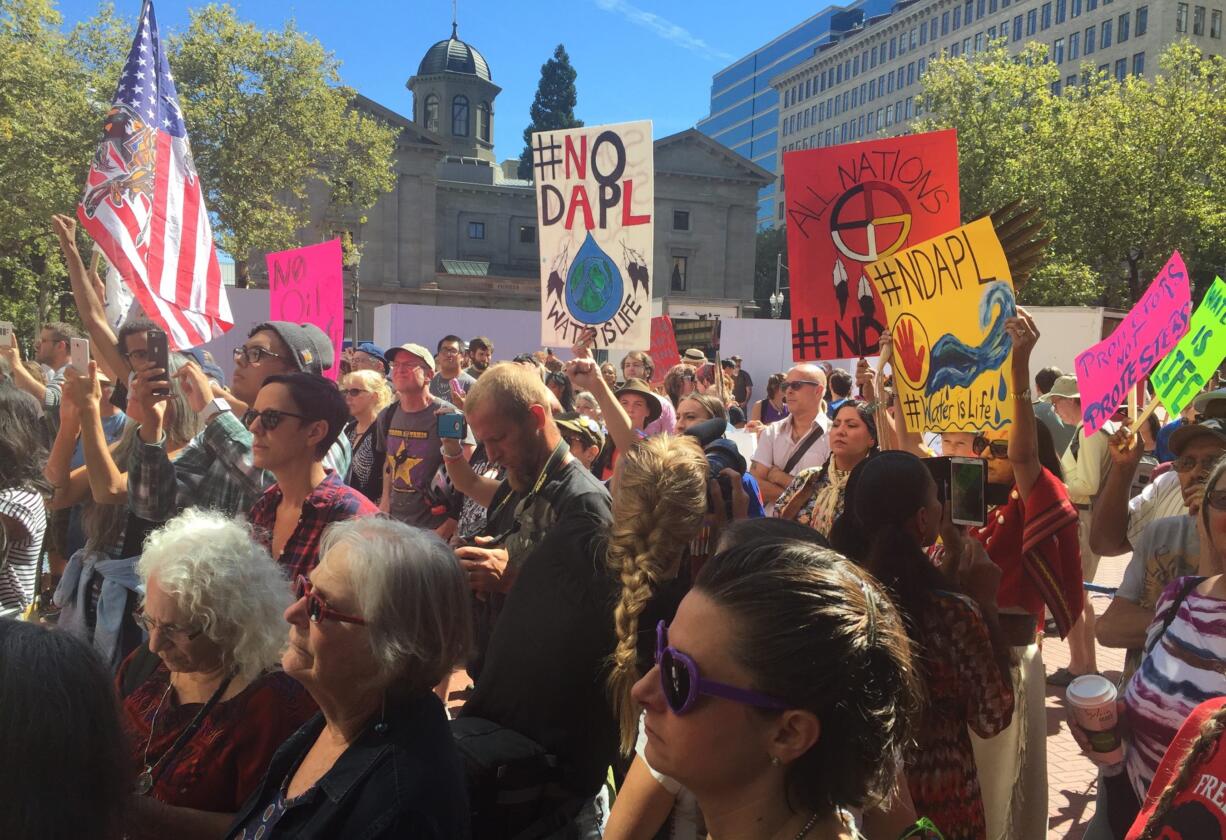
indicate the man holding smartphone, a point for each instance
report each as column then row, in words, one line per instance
column 215, row 469
column 408, row 441
column 53, row 353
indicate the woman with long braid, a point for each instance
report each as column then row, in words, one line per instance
column 1182, row 796
column 655, row 518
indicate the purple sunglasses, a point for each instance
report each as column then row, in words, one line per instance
column 682, row 684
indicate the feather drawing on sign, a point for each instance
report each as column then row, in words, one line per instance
column 865, row 293
column 840, row 286
column 636, row 267
column 556, row 284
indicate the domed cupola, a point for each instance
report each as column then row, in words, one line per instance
column 453, row 97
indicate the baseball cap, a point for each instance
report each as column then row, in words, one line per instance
column 307, row 343
column 727, row 363
column 1215, row 428
column 1065, row 386
column 480, row 341
column 211, row 370
column 413, row 349
column 581, row 425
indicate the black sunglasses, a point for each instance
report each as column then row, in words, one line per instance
column 270, row 418
column 997, row 448
column 797, row 383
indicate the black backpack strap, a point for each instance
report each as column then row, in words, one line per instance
column 1168, row 617
column 809, row 440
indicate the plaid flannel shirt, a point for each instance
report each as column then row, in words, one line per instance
column 213, row 471
column 331, row 501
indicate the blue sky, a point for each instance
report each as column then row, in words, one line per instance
column 636, row 59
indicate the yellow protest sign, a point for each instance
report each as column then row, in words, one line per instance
column 946, row 303
column 1183, row 373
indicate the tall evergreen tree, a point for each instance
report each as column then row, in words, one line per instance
column 554, row 105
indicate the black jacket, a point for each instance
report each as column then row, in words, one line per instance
column 406, row 782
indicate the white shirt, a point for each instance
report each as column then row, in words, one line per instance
column 775, row 445
column 1161, row 498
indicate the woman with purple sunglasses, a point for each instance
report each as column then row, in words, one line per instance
column 782, row 693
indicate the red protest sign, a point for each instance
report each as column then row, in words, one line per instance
column 306, row 287
column 664, row 353
column 849, row 206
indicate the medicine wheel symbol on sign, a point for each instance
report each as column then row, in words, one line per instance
column 870, row 221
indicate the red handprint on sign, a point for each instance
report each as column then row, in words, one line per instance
column 912, row 357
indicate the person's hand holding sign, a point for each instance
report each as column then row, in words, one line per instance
column 583, row 371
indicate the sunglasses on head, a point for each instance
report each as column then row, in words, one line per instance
column 317, row 607
column 682, row 684
column 796, row 383
column 997, row 448
column 270, row 418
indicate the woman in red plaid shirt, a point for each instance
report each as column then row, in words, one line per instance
column 295, row 419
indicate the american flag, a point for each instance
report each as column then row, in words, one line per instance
column 143, row 202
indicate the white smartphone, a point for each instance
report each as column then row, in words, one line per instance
column 967, row 484
column 79, row 348
column 6, row 334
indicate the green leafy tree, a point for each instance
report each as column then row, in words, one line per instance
column 269, row 120
column 48, row 125
column 768, row 246
column 1124, row 172
column 554, row 104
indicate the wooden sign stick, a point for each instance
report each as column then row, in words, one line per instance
column 1134, row 425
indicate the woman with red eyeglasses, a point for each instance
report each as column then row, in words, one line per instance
column 782, row 692
column 378, row 623
column 1032, row 537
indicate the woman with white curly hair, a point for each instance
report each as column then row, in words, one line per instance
column 204, row 704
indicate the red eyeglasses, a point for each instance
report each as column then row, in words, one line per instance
column 317, row 607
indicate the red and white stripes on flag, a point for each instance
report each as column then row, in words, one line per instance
column 165, row 252
column 144, row 206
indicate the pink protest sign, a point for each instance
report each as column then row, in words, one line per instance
column 1159, row 319
column 306, row 287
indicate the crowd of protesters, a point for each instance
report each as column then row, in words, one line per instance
column 448, row 596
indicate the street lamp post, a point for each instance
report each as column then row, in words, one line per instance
column 776, row 299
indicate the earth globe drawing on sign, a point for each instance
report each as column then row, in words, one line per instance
column 870, row 221
column 594, row 285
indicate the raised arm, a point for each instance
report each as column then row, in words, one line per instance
column 1024, row 437
column 900, row 437
column 1109, row 525
column 102, row 339
column 107, row 482
column 585, row 373
column 71, row 486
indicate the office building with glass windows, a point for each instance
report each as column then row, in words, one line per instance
column 863, row 82
column 745, row 108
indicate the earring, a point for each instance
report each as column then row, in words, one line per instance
column 774, row 761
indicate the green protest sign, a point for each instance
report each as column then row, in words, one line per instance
column 1183, row 373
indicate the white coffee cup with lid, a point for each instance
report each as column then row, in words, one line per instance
column 1093, row 700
